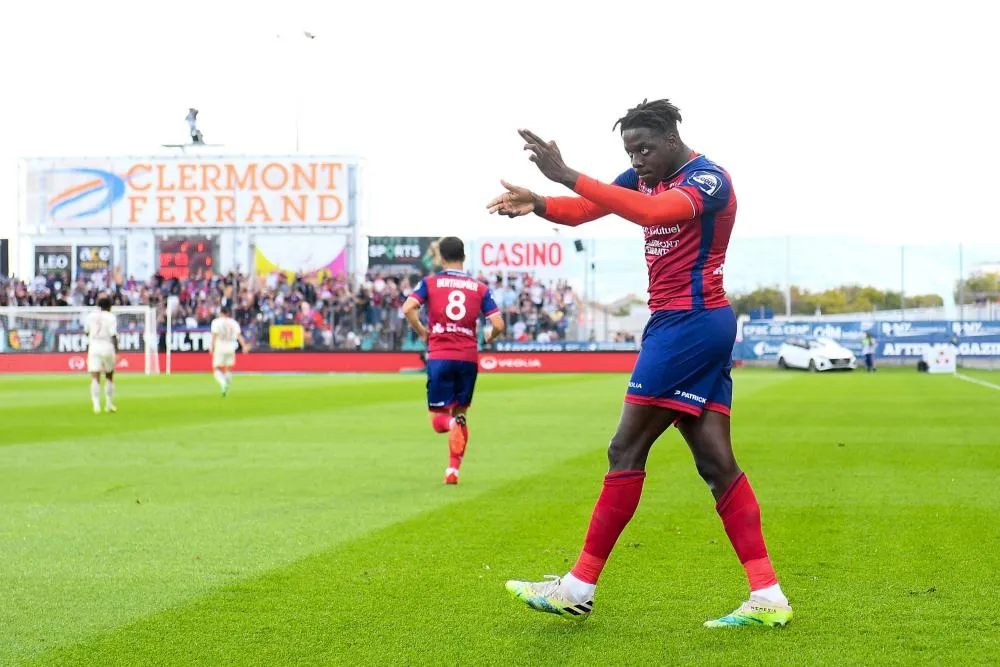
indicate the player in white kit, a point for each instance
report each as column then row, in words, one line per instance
column 225, row 334
column 101, row 328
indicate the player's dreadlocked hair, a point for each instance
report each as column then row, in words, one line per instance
column 659, row 115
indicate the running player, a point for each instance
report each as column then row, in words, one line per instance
column 101, row 328
column 454, row 302
column 686, row 206
column 225, row 334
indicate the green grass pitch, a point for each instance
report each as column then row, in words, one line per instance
column 302, row 520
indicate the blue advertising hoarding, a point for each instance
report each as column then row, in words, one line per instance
column 761, row 339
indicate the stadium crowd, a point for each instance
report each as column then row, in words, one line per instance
column 336, row 313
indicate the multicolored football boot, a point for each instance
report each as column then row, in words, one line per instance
column 755, row 612
column 551, row 597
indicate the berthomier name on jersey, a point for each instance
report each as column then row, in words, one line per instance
column 457, row 283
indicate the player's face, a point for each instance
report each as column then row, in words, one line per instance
column 652, row 153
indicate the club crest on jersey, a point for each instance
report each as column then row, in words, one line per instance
column 707, row 182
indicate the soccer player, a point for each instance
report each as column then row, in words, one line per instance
column 454, row 302
column 101, row 328
column 225, row 334
column 686, row 206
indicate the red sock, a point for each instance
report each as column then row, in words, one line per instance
column 741, row 517
column 441, row 422
column 456, row 461
column 614, row 509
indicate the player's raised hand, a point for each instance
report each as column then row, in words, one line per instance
column 515, row 202
column 548, row 159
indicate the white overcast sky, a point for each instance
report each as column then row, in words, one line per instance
column 873, row 119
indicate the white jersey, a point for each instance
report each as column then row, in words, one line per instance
column 226, row 331
column 101, row 326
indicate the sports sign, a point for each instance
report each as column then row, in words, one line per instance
column 398, row 254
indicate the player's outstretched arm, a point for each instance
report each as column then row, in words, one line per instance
column 668, row 207
column 569, row 211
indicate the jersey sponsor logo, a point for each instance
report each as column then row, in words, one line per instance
column 635, row 385
column 459, row 329
column 707, row 182
column 661, row 230
column 437, row 328
column 658, row 248
column 689, row 396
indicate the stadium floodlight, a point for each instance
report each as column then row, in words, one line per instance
column 192, row 121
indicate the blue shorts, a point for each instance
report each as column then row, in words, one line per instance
column 685, row 361
column 450, row 384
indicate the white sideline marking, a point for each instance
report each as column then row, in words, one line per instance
column 982, row 383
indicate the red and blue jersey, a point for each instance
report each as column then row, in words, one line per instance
column 454, row 302
column 685, row 259
column 687, row 220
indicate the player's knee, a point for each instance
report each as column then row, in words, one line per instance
column 717, row 473
column 623, row 454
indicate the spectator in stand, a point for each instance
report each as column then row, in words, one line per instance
column 312, row 324
column 337, row 312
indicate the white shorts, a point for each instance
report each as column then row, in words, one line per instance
column 101, row 360
column 223, row 360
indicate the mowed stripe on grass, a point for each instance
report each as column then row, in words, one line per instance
column 106, row 518
column 877, row 492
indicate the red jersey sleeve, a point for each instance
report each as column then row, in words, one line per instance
column 488, row 306
column 669, row 207
column 573, row 211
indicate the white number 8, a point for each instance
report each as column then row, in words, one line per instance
column 455, row 310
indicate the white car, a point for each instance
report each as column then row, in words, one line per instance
column 816, row 354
